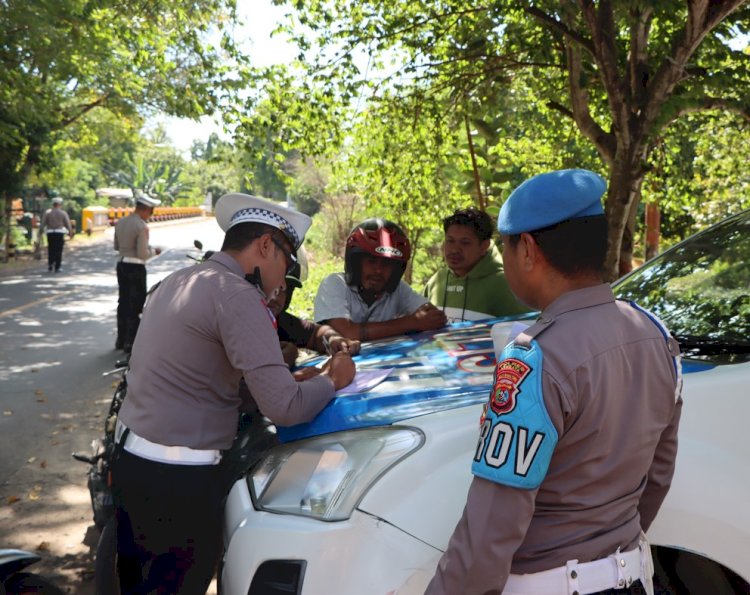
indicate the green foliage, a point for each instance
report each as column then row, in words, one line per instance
column 61, row 59
column 698, row 176
column 308, row 187
column 545, row 84
column 159, row 178
column 320, row 265
column 215, row 168
column 398, row 163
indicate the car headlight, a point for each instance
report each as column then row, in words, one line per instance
column 325, row 477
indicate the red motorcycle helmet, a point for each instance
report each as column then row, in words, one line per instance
column 380, row 238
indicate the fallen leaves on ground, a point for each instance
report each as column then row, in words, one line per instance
column 12, row 499
column 43, row 546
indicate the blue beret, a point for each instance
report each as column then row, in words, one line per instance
column 550, row 198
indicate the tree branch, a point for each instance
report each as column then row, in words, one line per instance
column 555, row 25
column 604, row 142
column 638, row 59
column 703, row 16
column 706, row 104
column 83, row 109
column 602, row 25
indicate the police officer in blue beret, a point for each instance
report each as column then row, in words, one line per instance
column 578, row 438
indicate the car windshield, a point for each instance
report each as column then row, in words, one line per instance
column 701, row 290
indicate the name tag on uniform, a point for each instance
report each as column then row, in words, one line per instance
column 517, row 437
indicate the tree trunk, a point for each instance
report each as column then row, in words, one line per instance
column 625, row 182
column 652, row 230
column 8, row 208
column 627, row 249
column 477, row 182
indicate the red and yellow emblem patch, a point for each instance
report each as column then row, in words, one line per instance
column 509, row 374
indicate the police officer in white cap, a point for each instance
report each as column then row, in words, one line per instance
column 578, row 439
column 204, row 328
column 132, row 243
column 56, row 224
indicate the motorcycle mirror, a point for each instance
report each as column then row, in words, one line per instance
column 198, row 244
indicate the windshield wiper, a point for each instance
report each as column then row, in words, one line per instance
column 701, row 344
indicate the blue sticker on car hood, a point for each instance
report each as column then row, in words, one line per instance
column 429, row 372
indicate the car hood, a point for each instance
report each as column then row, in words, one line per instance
column 426, row 373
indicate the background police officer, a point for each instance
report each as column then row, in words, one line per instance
column 579, row 436
column 131, row 241
column 204, row 328
column 56, row 224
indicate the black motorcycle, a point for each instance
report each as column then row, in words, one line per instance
column 15, row 581
column 100, row 488
column 255, row 435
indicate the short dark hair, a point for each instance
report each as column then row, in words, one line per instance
column 471, row 217
column 239, row 236
column 573, row 247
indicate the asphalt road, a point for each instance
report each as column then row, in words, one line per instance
column 57, row 334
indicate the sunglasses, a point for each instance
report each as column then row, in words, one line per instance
column 291, row 259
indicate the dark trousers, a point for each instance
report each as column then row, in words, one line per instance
column 131, row 279
column 168, row 525
column 55, row 243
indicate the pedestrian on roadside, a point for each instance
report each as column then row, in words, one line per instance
column 204, row 328
column 132, row 243
column 56, row 224
column 577, row 442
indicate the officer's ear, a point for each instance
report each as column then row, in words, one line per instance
column 528, row 252
column 265, row 244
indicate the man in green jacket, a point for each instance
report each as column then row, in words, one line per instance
column 472, row 286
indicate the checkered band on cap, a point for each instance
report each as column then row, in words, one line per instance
column 257, row 215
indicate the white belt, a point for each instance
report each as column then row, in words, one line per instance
column 175, row 455
column 617, row 571
column 132, row 260
column 57, row 230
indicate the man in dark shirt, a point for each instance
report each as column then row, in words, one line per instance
column 295, row 332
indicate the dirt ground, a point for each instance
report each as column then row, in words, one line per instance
column 45, row 508
column 45, row 505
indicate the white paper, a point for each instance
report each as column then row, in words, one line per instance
column 365, row 380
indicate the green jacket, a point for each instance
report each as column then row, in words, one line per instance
column 482, row 293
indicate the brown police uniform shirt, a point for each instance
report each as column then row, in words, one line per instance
column 611, row 389
column 203, row 329
column 56, row 221
column 131, row 237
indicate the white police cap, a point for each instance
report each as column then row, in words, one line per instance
column 57, row 200
column 145, row 199
column 235, row 208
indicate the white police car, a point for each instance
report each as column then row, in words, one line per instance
column 364, row 498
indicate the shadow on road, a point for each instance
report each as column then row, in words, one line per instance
column 57, row 334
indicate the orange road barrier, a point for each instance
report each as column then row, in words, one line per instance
column 160, row 213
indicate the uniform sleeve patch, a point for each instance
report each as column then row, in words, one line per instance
column 509, row 374
column 517, row 437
